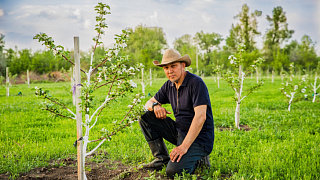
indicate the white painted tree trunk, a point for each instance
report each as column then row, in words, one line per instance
column 315, row 88
column 272, row 80
column 197, row 61
column 7, row 82
column 142, row 82
column 80, row 147
column 150, row 77
column 218, row 79
column 238, row 93
column 237, row 115
column 290, row 101
column 257, row 73
column 281, row 74
column 28, row 79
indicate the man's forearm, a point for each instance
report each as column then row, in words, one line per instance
column 149, row 103
column 195, row 128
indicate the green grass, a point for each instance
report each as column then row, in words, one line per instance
column 280, row 145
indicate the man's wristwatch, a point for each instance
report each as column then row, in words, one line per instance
column 155, row 104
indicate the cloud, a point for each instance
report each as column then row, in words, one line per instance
column 153, row 19
column 1, row 12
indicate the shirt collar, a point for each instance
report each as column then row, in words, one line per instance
column 185, row 81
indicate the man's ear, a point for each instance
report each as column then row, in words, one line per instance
column 183, row 64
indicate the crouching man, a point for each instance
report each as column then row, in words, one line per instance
column 192, row 132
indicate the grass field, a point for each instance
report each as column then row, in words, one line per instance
column 280, row 144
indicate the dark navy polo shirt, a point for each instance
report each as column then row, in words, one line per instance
column 193, row 92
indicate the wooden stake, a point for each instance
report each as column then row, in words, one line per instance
column 80, row 153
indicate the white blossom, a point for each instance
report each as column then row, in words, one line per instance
column 295, row 87
column 116, row 52
column 123, row 45
column 288, row 96
column 133, row 84
column 303, row 90
column 130, row 106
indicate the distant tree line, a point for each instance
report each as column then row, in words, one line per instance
column 147, row 43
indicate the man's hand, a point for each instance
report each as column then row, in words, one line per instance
column 160, row 112
column 177, row 153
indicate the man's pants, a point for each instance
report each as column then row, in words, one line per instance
column 154, row 128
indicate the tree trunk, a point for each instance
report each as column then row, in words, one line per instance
column 290, row 101
column 28, row 79
column 150, row 78
column 237, row 115
column 315, row 89
column 7, row 82
column 257, row 72
column 142, row 82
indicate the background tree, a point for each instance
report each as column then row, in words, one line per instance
column 307, row 54
column 3, row 62
column 145, row 45
column 185, row 45
column 245, row 30
column 276, row 34
column 207, row 42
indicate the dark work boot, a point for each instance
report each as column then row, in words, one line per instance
column 160, row 152
column 204, row 161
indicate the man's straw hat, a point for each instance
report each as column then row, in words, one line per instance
column 172, row 55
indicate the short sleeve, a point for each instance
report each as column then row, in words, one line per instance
column 200, row 94
column 161, row 95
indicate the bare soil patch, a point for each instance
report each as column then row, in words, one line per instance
column 67, row 169
column 242, row 127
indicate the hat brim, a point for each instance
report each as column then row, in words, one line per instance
column 184, row 58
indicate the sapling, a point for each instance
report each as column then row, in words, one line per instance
column 294, row 91
column 314, row 86
column 110, row 73
column 236, row 79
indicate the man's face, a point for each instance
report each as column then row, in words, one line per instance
column 174, row 71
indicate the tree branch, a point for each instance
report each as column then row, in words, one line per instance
column 59, row 114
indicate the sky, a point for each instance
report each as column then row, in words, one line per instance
column 21, row 20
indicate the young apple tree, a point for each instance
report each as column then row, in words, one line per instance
column 294, row 91
column 110, row 73
column 236, row 79
column 314, row 85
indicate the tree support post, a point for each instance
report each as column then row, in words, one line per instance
column 7, row 81
column 80, row 153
